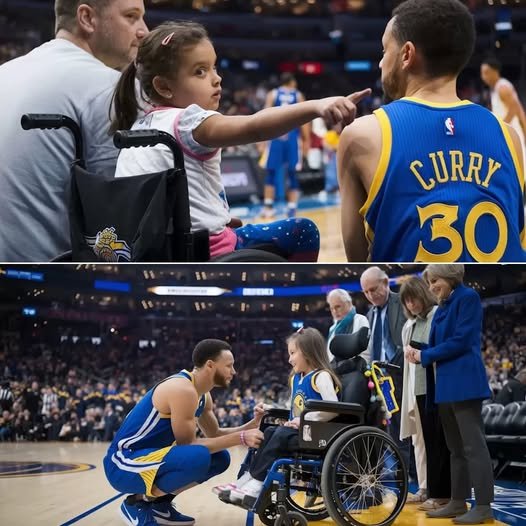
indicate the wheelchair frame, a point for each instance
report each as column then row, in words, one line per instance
column 182, row 244
column 321, row 447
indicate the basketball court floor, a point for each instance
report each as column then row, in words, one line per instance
column 325, row 215
column 58, row 484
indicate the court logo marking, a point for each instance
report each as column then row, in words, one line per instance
column 15, row 468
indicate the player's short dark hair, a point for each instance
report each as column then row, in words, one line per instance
column 493, row 63
column 208, row 349
column 442, row 30
column 286, row 77
column 66, row 12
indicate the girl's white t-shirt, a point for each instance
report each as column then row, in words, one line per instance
column 208, row 204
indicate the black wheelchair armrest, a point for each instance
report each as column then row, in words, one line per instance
column 278, row 412
column 316, row 434
column 342, row 408
column 273, row 417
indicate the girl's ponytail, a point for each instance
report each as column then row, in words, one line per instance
column 124, row 105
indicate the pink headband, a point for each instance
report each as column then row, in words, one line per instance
column 167, row 39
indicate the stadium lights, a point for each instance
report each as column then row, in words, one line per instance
column 187, row 291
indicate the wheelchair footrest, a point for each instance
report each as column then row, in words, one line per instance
column 247, row 503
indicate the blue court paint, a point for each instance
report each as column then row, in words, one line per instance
column 510, row 503
column 250, row 518
column 92, row 510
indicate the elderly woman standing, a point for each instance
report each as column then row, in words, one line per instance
column 419, row 418
column 461, row 385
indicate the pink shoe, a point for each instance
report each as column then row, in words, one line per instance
column 224, row 489
column 218, row 490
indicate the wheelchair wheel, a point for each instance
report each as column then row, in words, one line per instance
column 311, row 507
column 249, row 255
column 364, row 478
column 293, row 519
column 268, row 513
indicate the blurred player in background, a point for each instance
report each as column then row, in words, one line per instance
column 286, row 152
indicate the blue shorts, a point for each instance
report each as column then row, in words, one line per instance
column 169, row 468
column 283, row 152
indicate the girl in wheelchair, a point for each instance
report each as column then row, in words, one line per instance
column 311, row 378
column 179, row 82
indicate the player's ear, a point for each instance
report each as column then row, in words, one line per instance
column 408, row 53
column 210, row 364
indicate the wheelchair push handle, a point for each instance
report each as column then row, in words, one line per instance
column 387, row 365
column 144, row 138
column 43, row 121
column 54, row 121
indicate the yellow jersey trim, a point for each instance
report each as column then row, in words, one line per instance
column 369, row 235
column 383, row 163
column 148, row 476
column 438, row 104
column 313, row 381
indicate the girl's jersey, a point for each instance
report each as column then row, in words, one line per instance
column 303, row 388
column 448, row 186
column 145, row 427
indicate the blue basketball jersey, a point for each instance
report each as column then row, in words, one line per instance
column 303, row 388
column 285, row 97
column 145, row 427
column 448, row 186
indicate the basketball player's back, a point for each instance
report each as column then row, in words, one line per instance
column 450, row 188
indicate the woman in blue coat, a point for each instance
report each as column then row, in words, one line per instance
column 461, row 386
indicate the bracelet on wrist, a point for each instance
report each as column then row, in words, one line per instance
column 242, row 438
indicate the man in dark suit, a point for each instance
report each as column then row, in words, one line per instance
column 386, row 319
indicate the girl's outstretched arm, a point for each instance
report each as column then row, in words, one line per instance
column 219, row 131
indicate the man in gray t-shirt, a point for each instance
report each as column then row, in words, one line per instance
column 74, row 75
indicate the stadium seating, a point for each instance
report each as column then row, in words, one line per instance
column 505, row 428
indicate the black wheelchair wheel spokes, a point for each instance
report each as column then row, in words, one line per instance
column 364, row 479
column 293, row 519
column 304, row 495
column 269, row 511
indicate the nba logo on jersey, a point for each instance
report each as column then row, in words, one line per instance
column 449, row 125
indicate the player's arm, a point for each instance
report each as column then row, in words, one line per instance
column 209, row 425
column 305, row 132
column 352, row 157
column 510, row 98
column 182, row 400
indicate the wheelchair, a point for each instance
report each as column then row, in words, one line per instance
column 142, row 218
column 344, row 469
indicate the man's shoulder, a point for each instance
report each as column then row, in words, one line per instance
column 362, row 126
column 175, row 388
column 65, row 58
column 394, row 297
